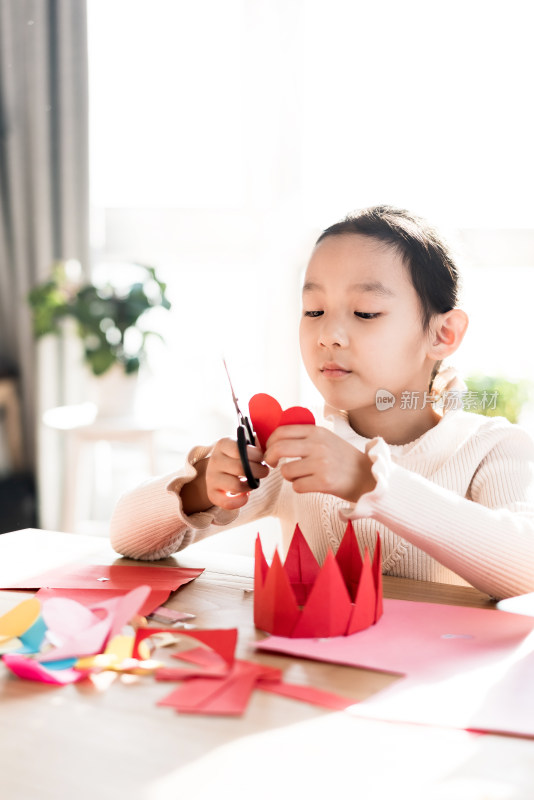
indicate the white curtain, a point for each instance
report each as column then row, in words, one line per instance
column 43, row 192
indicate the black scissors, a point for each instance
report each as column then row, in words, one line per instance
column 245, row 436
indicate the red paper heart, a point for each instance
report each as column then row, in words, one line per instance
column 266, row 415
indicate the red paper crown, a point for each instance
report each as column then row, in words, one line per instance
column 302, row 599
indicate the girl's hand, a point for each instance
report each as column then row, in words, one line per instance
column 324, row 462
column 226, row 485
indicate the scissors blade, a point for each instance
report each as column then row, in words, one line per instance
column 234, row 398
column 245, row 436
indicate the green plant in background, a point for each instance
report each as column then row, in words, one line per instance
column 107, row 317
column 495, row 396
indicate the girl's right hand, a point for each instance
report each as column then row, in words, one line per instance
column 226, row 484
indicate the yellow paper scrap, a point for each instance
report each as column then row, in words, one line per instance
column 100, row 661
column 19, row 619
column 121, row 647
column 8, row 645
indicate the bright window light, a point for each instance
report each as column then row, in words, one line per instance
column 226, row 135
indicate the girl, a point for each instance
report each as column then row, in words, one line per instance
column 452, row 496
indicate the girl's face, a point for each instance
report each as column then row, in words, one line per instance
column 361, row 332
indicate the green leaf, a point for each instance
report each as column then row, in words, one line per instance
column 89, row 305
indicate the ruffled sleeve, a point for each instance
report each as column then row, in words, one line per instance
column 488, row 538
column 381, row 468
column 149, row 522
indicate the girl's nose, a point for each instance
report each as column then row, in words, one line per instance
column 333, row 334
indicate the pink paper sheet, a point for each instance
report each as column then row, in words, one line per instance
column 496, row 699
column 466, row 667
column 418, row 639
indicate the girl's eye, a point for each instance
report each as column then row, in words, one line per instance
column 313, row 313
column 365, row 315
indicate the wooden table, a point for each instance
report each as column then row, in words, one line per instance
column 99, row 740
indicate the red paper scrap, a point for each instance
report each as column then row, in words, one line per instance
column 230, row 695
column 106, row 578
column 184, row 673
column 307, row 694
column 201, row 657
column 222, row 641
column 211, row 665
column 226, row 696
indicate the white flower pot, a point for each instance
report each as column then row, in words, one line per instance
column 114, row 392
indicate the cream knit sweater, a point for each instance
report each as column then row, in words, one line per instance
column 456, row 505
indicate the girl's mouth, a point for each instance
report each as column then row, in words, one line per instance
column 331, row 370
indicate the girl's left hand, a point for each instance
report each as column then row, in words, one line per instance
column 324, row 462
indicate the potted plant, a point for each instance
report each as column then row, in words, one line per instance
column 107, row 316
column 496, row 396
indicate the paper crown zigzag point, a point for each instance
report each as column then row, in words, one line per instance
column 300, row 598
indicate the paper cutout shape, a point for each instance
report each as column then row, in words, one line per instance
column 62, row 663
column 91, row 597
column 121, row 646
column 66, row 617
column 201, row 657
column 222, row 641
column 123, row 578
column 10, row 645
column 84, row 642
column 33, row 638
column 266, row 415
column 302, row 599
column 92, row 639
column 211, row 664
column 117, row 657
column 227, row 696
column 32, row 670
column 169, row 616
column 219, row 684
column 230, row 694
column 19, row 619
column 306, row 694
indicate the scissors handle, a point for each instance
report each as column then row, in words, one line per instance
column 249, row 431
column 242, row 441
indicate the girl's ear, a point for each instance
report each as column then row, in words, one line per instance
column 447, row 331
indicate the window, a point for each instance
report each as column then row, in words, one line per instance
column 225, row 136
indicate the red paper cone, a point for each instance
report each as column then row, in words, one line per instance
column 328, row 608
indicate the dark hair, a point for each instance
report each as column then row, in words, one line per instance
column 432, row 269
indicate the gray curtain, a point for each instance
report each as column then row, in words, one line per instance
column 43, row 178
